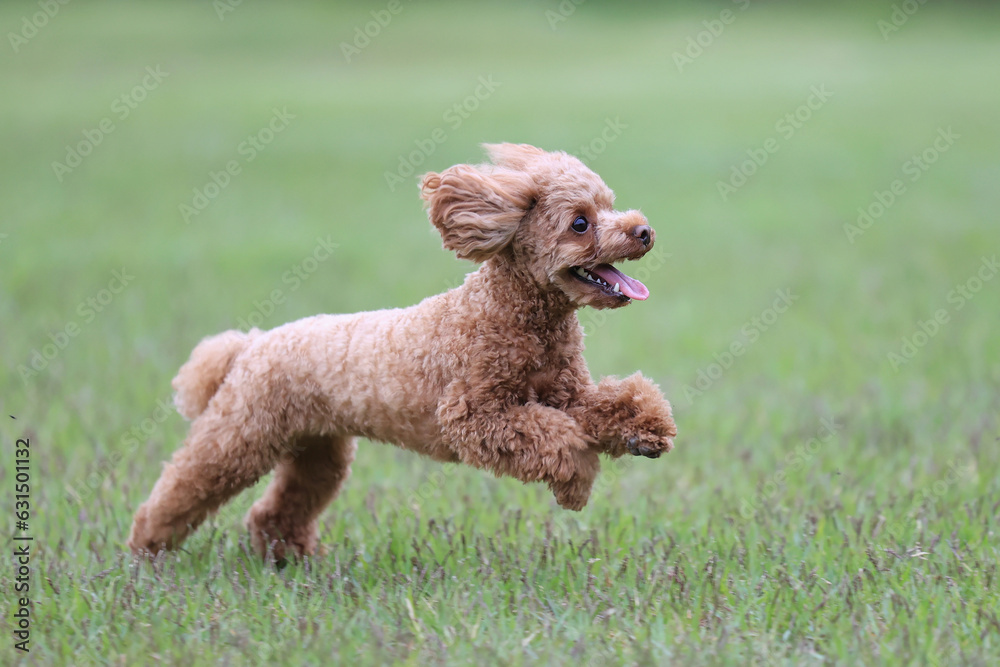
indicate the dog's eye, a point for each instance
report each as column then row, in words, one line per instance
column 580, row 225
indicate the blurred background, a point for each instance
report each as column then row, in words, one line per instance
column 822, row 177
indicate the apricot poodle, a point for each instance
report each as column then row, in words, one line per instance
column 490, row 373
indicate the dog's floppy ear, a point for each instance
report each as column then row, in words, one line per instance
column 515, row 156
column 477, row 209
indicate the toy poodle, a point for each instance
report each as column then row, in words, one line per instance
column 490, row 373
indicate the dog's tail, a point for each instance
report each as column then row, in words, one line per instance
column 202, row 375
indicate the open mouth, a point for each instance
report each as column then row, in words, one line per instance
column 611, row 281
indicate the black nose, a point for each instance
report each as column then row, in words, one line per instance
column 644, row 233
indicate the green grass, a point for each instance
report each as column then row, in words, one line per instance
column 752, row 543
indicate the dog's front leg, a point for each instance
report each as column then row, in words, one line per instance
column 530, row 442
column 627, row 416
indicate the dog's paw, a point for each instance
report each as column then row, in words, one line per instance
column 281, row 537
column 652, row 441
column 650, row 448
column 572, row 495
column 147, row 539
column 652, row 431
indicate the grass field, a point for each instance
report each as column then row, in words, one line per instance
column 833, row 496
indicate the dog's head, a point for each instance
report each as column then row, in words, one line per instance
column 546, row 212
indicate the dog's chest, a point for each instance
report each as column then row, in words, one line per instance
column 543, row 362
column 539, row 383
column 545, row 378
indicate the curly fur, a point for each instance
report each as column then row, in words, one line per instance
column 490, row 373
column 199, row 379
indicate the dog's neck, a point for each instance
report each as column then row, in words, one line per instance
column 512, row 291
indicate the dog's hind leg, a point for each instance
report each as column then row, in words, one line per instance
column 306, row 480
column 230, row 446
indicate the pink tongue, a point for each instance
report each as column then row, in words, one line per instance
column 630, row 287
